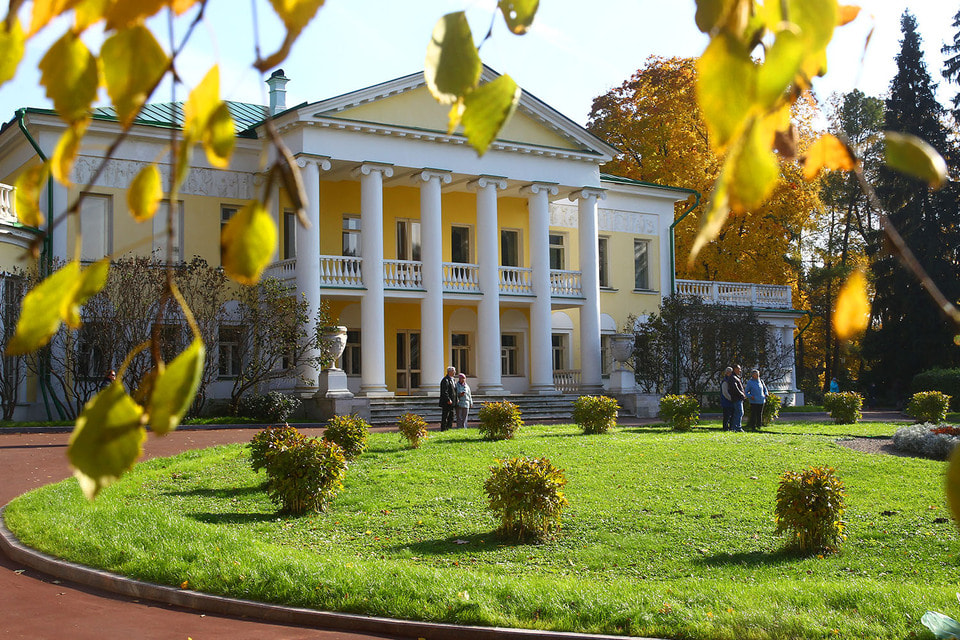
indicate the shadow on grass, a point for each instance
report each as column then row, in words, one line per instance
column 825, row 435
column 488, row 541
column 232, row 518
column 222, row 494
column 751, row 559
column 652, row 428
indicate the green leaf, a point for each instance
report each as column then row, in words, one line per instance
column 12, row 45
column 26, row 195
column 942, row 626
column 519, row 14
column 710, row 13
column 726, row 87
column 69, row 73
column 715, row 216
column 782, row 63
column 915, row 157
column 487, row 109
column 248, row 242
column 175, row 388
column 453, row 65
column 44, row 307
column 107, row 440
column 219, row 137
column 953, row 485
column 133, row 63
column 145, row 193
column 754, row 167
column 92, row 280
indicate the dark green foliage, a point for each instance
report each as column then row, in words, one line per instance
column 595, row 414
column 681, row 412
column 771, row 410
column 269, row 441
column 843, row 407
column 305, row 477
column 929, row 406
column 810, row 507
column 498, row 420
column 413, row 428
column 269, row 407
column 526, row 493
column 350, row 432
column 944, row 380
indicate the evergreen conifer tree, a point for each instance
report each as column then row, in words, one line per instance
column 951, row 66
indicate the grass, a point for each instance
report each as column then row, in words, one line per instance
column 667, row 535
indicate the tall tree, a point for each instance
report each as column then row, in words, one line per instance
column 909, row 334
column 951, row 66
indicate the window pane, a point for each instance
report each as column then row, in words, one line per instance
column 510, row 247
column 460, row 244
column 351, row 236
column 641, row 275
column 602, row 259
column 95, row 225
column 160, row 231
column 403, row 242
column 556, row 252
column 289, row 235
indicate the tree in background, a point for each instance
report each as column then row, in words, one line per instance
column 908, row 333
column 951, row 66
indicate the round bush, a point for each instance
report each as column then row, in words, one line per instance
column 498, row 420
column 413, row 428
column 269, row 441
column 350, row 432
column 771, row 410
column 526, row 494
column 929, row 406
column 305, row 477
column 681, row 412
column 843, row 407
column 595, row 414
column 810, row 507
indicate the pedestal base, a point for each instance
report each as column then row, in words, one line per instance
column 332, row 383
column 622, row 381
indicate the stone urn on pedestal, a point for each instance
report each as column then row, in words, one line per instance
column 333, row 381
column 621, row 349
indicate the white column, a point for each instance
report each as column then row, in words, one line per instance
column 488, row 260
column 788, row 344
column 307, row 270
column 58, row 234
column 432, row 366
column 372, row 326
column 541, row 344
column 590, row 366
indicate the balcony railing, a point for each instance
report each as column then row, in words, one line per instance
column 566, row 380
column 516, row 280
column 738, row 294
column 7, row 212
column 459, row 277
column 567, row 284
column 402, row 274
column 340, row 271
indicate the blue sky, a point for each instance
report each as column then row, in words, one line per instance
column 575, row 51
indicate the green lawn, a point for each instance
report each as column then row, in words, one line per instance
column 667, row 535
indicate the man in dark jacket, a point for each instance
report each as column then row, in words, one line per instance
column 726, row 401
column 736, row 396
column 448, row 399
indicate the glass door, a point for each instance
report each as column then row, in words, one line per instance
column 408, row 362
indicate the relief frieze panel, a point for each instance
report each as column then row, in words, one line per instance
column 200, row 181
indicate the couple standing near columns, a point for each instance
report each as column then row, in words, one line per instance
column 455, row 399
column 732, row 395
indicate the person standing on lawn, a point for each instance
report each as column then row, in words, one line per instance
column 448, row 399
column 464, row 401
column 726, row 403
column 756, row 392
column 736, row 397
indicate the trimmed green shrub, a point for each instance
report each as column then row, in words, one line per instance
column 843, row 407
column 498, row 420
column 526, row 494
column 413, row 428
column 928, row 406
column 305, row 477
column 681, row 412
column 595, row 414
column 810, row 507
column 271, row 440
column 943, row 380
column 270, row 407
column 771, row 410
column 350, row 432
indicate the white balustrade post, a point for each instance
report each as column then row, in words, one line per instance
column 489, row 379
column 372, row 325
column 591, row 380
column 432, row 334
column 541, row 343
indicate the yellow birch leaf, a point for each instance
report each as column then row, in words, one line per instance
column 828, row 152
column 92, row 280
column 175, row 388
column 714, row 217
column 915, row 157
column 182, row 6
column 44, row 307
column 753, row 167
column 46, row 10
column 296, row 14
column 107, row 439
column 69, row 73
column 12, row 44
column 122, row 14
column 145, row 193
column 518, row 14
column 26, row 195
column 247, row 242
column 846, row 14
column 852, row 313
column 219, row 137
column 779, row 69
column 726, row 87
column 487, row 109
column 201, row 104
column 89, row 12
column 61, row 162
column 133, row 63
column 453, row 65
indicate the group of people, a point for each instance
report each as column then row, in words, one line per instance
column 455, row 400
column 732, row 394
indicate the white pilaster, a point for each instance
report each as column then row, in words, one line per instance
column 58, row 234
column 432, row 333
column 488, row 260
column 372, row 326
column 307, row 271
column 590, row 365
column 541, row 345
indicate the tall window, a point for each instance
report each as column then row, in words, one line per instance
column 602, row 259
column 557, row 251
column 641, row 265
column 91, row 356
column 510, row 354
column 460, row 244
column 408, row 240
column 160, row 231
column 351, row 236
column 96, row 226
column 460, row 359
column 171, row 343
column 559, row 341
column 226, row 212
column 229, row 339
column 289, row 234
column 350, row 360
column 510, row 247
column 606, row 358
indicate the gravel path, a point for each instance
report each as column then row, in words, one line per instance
column 874, row 445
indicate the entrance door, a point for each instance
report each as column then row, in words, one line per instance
column 408, row 362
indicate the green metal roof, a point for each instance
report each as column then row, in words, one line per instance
column 170, row 114
column 609, row 177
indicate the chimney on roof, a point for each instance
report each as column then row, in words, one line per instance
column 278, row 92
